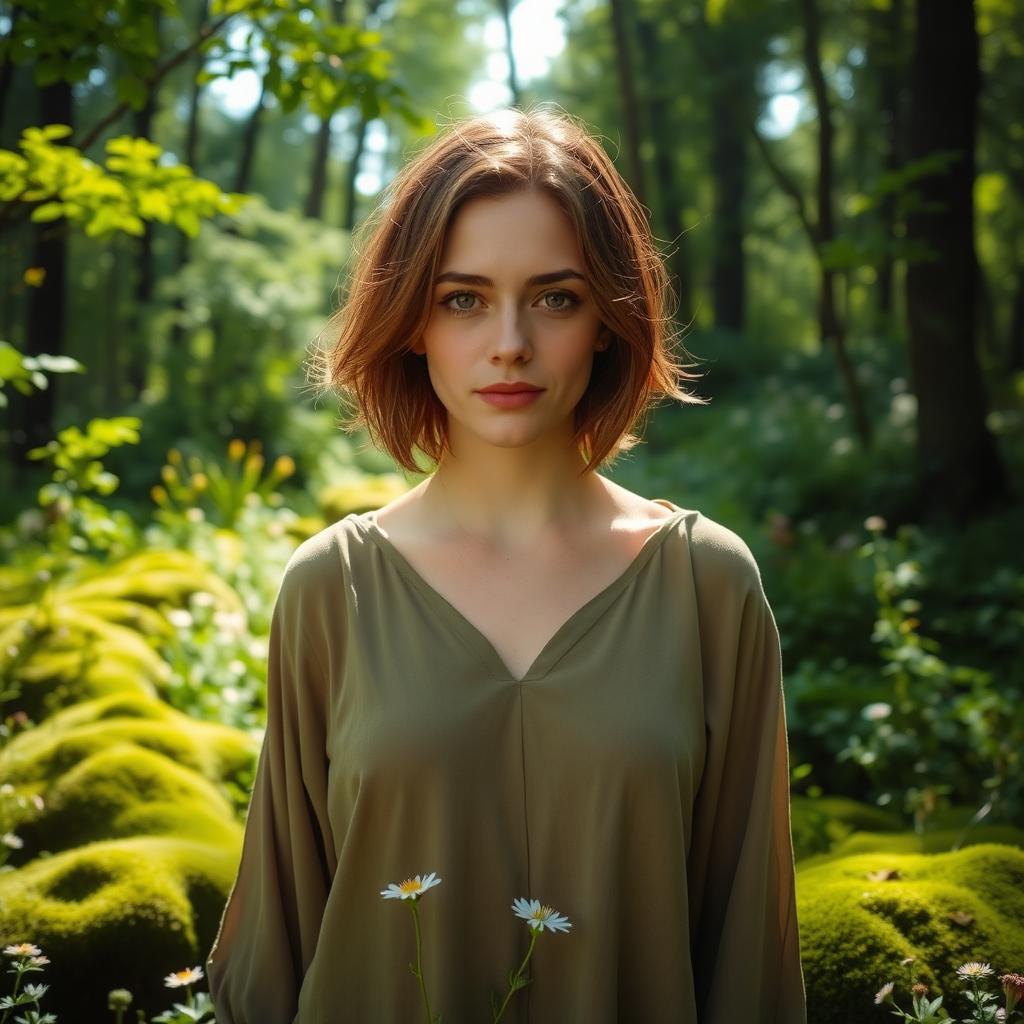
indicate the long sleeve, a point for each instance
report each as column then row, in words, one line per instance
column 745, row 943
column 271, row 921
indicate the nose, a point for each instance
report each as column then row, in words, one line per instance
column 512, row 342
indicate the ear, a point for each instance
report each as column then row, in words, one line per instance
column 418, row 347
column 604, row 338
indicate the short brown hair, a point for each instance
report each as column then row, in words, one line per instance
column 367, row 354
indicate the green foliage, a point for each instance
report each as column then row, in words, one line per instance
column 132, row 188
column 227, row 491
column 80, row 597
column 312, row 61
column 865, row 245
column 948, row 728
column 63, row 42
column 28, row 373
column 249, row 303
column 77, row 522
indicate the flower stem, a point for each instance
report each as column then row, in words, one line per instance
column 419, row 961
column 17, row 982
column 518, row 974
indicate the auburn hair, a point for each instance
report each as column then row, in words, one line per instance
column 364, row 353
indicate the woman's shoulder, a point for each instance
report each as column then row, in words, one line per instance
column 323, row 559
column 721, row 559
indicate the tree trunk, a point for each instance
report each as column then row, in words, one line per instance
column 177, row 356
column 318, row 171
column 250, row 136
column 505, row 6
column 729, row 169
column 960, row 472
column 314, row 205
column 669, row 196
column 7, row 68
column 887, row 62
column 350, row 211
column 1015, row 347
column 33, row 414
column 137, row 354
column 832, row 329
column 634, row 171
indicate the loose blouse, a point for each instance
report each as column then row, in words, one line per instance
column 635, row 779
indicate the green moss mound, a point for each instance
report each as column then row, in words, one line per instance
column 860, row 916
column 70, row 736
column 124, row 871
column 119, row 914
column 124, row 791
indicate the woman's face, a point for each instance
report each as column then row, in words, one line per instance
column 511, row 304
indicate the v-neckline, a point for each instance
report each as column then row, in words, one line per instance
column 567, row 633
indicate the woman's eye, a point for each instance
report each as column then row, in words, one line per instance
column 460, row 302
column 564, row 301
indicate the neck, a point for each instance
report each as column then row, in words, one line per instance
column 514, row 497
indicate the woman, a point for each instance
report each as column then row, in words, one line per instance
column 519, row 675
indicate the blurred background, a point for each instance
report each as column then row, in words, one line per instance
column 838, row 190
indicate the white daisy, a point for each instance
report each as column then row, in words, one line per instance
column 540, row 917
column 974, row 970
column 189, row 976
column 411, row 888
column 23, row 949
column 884, row 992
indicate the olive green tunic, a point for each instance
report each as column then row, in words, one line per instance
column 635, row 779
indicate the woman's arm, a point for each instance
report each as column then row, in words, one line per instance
column 744, row 936
column 269, row 926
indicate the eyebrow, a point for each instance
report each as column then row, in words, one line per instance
column 485, row 282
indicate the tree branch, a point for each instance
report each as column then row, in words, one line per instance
column 154, row 79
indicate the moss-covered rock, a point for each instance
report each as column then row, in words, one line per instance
column 122, row 791
column 860, row 916
column 125, row 870
column 40, row 756
column 119, row 914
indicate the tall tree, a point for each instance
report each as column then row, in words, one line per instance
column 136, row 358
column 730, row 90
column 670, row 188
column 505, row 8
column 176, row 356
column 631, row 117
column 820, row 228
column 250, row 137
column 46, row 303
column 887, row 64
column 960, row 471
column 322, row 144
column 832, row 328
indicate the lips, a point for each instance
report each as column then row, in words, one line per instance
column 509, row 389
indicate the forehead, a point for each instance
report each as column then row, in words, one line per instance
column 510, row 232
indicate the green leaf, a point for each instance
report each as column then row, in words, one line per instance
column 47, row 212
